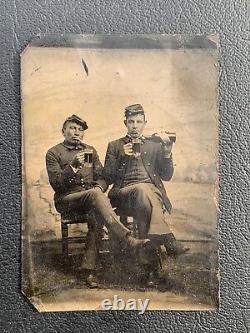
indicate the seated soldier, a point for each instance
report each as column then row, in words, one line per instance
column 137, row 177
column 79, row 187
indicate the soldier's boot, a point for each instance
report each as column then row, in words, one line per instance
column 173, row 247
column 135, row 243
column 91, row 280
column 153, row 279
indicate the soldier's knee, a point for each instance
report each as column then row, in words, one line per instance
column 142, row 201
column 140, row 191
column 98, row 195
column 96, row 192
column 95, row 196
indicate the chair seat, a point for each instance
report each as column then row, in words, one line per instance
column 75, row 217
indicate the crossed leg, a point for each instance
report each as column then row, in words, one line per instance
column 144, row 202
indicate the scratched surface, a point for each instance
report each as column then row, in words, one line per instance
column 20, row 21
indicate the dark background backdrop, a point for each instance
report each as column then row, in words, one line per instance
column 20, row 20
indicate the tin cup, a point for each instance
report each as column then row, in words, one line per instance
column 136, row 146
column 88, row 158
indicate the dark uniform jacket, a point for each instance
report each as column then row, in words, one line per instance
column 62, row 177
column 157, row 165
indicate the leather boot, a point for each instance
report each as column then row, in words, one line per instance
column 135, row 243
column 173, row 247
column 91, row 280
column 153, row 279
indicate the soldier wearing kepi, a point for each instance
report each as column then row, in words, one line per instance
column 79, row 185
column 136, row 166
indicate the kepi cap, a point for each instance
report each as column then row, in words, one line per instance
column 134, row 109
column 74, row 118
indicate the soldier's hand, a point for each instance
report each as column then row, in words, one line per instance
column 168, row 144
column 78, row 160
column 128, row 149
column 165, row 138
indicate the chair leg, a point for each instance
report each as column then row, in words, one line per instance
column 65, row 233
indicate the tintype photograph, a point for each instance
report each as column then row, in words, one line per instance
column 120, row 180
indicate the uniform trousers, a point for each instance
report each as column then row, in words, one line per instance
column 94, row 201
column 144, row 202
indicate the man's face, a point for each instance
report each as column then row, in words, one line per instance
column 73, row 132
column 135, row 125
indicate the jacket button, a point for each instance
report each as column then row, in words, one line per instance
column 160, row 185
column 154, row 175
column 145, row 152
column 149, row 163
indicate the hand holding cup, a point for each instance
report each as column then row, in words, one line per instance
column 78, row 160
column 128, row 149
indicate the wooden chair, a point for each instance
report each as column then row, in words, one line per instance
column 68, row 219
